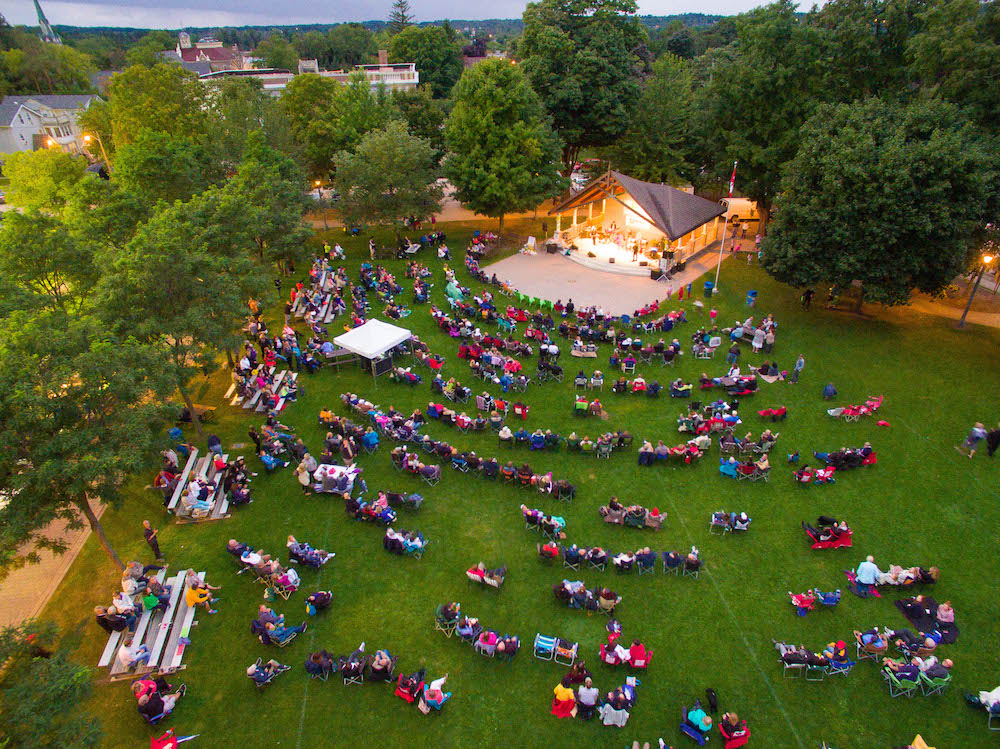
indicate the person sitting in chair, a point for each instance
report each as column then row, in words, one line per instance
column 692, row 562
column 306, row 554
column 698, row 719
column 381, row 664
column 261, row 673
column 318, row 601
column 280, row 633
column 793, row 655
column 623, row 562
column 732, row 727
column 152, row 698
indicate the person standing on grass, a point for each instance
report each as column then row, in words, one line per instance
column 800, row 364
column 977, row 435
column 806, row 298
column 745, row 227
column 150, row 534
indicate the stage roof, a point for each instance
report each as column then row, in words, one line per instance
column 672, row 211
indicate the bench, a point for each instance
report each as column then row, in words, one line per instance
column 191, row 462
column 209, row 473
column 262, row 406
column 204, row 413
column 162, row 628
column 292, row 377
column 341, row 356
column 173, row 653
column 143, row 628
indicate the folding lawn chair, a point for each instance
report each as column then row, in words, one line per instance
column 544, row 647
column 929, row 686
column 444, row 625
column 900, row 687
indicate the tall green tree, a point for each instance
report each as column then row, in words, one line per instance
column 400, row 16
column 438, row 60
column 164, row 98
column 390, row 176
column 158, row 166
column 181, row 285
column 502, row 154
column 42, row 698
column 306, row 102
column 655, row 147
column 41, row 257
column 41, row 179
column 146, row 50
column 313, row 45
column 75, row 421
column 278, row 52
column 36, row 68
column 956, row 56
column 238, row 107
column 424, row 115
column 754, row 108
column 351, row 44
column 888, row 195
column 582, row 58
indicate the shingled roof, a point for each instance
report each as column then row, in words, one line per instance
column 672, row 211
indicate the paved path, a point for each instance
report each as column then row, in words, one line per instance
column 557, row 277
column 25, row 592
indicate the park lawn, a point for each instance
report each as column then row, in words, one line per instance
column 922, row 503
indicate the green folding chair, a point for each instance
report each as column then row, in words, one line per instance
column 900, row 687
column 929, row 686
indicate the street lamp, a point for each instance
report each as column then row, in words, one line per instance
column 87, row 138
column 986, row 260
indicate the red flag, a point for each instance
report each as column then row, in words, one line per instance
column 732, row 180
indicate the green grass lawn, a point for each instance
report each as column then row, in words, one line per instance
column 922, row 504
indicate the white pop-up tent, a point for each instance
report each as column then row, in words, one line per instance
column 372, row 339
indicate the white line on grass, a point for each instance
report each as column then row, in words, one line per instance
column 746, row 642
column 312, row 638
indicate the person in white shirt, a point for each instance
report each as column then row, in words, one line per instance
column 132, row 655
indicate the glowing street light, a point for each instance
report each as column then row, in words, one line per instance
column 986, row 259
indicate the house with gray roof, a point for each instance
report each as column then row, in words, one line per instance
column 28, row 123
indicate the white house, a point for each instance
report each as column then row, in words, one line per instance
column 28, row 123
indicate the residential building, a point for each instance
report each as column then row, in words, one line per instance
column 28, row 123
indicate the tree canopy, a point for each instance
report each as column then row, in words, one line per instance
column 164, row 98
column 583, row 60
column 389, row 177
column 503, row 155
column 886, row 194
column 438, row 59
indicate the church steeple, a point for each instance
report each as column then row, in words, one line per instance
column 45, row 31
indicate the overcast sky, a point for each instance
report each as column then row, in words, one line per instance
column 173, row 14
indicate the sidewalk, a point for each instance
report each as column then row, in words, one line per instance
column 26, row 591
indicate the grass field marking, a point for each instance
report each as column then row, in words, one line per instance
column 312, row 636
column 746, row 642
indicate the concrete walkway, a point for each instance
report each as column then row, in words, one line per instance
column 557, row 277
column 26, row 591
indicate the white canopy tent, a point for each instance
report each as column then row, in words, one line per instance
column 372, row 339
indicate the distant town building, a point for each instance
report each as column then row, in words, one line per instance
column 45, row 31
column 28, row 123
column 206, row 55
column 391, row 75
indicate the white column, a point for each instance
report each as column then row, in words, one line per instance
column 590, row 211
column 558, row 223
column 574, row 217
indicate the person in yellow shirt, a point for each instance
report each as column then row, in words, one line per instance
column 198, row 595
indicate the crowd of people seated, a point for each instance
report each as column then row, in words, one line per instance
column 748, row 469
column 551, row 525
column 154, row 698
column 141, row 591
column 576, row 595
column 612, row 708
column 848, row 457
column 828, row 533
column 635, row 516
column 687, row 452
column 303, row 553
column 265, row 569
column 403, row 542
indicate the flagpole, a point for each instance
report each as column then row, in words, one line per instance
column 725, row 226
column 722, row 245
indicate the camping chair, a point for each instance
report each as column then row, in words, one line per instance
column 646, row 567
column 689, row 731
column 816, row 673
column 317, row 672
column 574, row 563
column 566, row 493
column 900, row 687
column 603, row 450
column 672, row 564
column 792, row 670
column 842, row 668
column 544, row 647
column 690, row 570
column 566, row 652
column 354, row 674
column 929, row 686
column 444, row 625
column 720, row 522
column 869, row 651
column 595, row 565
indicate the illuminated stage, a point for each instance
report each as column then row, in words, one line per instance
column 605, row 252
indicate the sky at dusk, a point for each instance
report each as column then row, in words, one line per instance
column 174, row 14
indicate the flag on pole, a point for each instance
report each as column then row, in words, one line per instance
column 732, row 180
